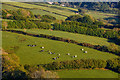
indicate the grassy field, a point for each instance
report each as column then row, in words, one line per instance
column 99, row 15
column 78, row 37
column 32, row 55
column 87, row 74
column 4, row 6
column 41, row 12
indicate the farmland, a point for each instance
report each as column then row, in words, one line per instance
column 32, row 55
column 46, row 45
column 87, row 74
column 59, row 12
column 78, row 37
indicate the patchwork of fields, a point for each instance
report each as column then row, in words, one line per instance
column 34, row 55
column 59, row 12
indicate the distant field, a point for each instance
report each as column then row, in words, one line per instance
column 40, row 12
column 57, row 6
column 78, row 37
column 62, row 12
column 4, row 6
column 99, row 15
column 32, row 55
column 87, row 74
column 31, row 6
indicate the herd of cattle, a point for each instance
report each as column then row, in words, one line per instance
column 57, row 54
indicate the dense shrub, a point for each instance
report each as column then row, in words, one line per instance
column 77, row 28
column 27, row 24
column 19, row 14
column 76, row 64
column 48, row 17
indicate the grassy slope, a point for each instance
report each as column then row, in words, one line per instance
column 67, row 13
column 4, row 6
column 95, row 14
column 49, row 5
column 78, row 37
column 87, row 74
column 31, row 55
column 99, row 15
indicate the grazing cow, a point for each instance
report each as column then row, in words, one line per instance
column 29, row 45
column 50, row 52
column 55, row 58
column 41, row 50
column 68, row 54
column 33, row 45
column 58, row 54
column 42, row 47
column 75, row 56
column 82, row 49
column 85, row 51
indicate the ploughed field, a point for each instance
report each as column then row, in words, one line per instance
column 21, row 45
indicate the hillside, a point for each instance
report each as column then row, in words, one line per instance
column 60, row 40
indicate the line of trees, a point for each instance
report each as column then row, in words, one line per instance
column 86, row 30
column 21, row 24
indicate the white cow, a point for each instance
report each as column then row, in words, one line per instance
column 75, row 55
column 42, row 47
column 82, row 49
column 68, row 54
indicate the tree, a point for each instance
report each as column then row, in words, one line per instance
column 87, row 19
column 81, row 11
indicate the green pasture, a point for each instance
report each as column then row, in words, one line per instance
column 74, row 36
column 87, row 74
column 4, row 6
column 32, row 55
column 31, row 6
column 99, row 15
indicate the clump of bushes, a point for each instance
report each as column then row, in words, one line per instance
column 19, row 14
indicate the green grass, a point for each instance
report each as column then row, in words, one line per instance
column 87, row 74
column 4, row 6
column 32, row 55
column 57, row 6
column 77, row 37
column 40, row 12
column 99, row 15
